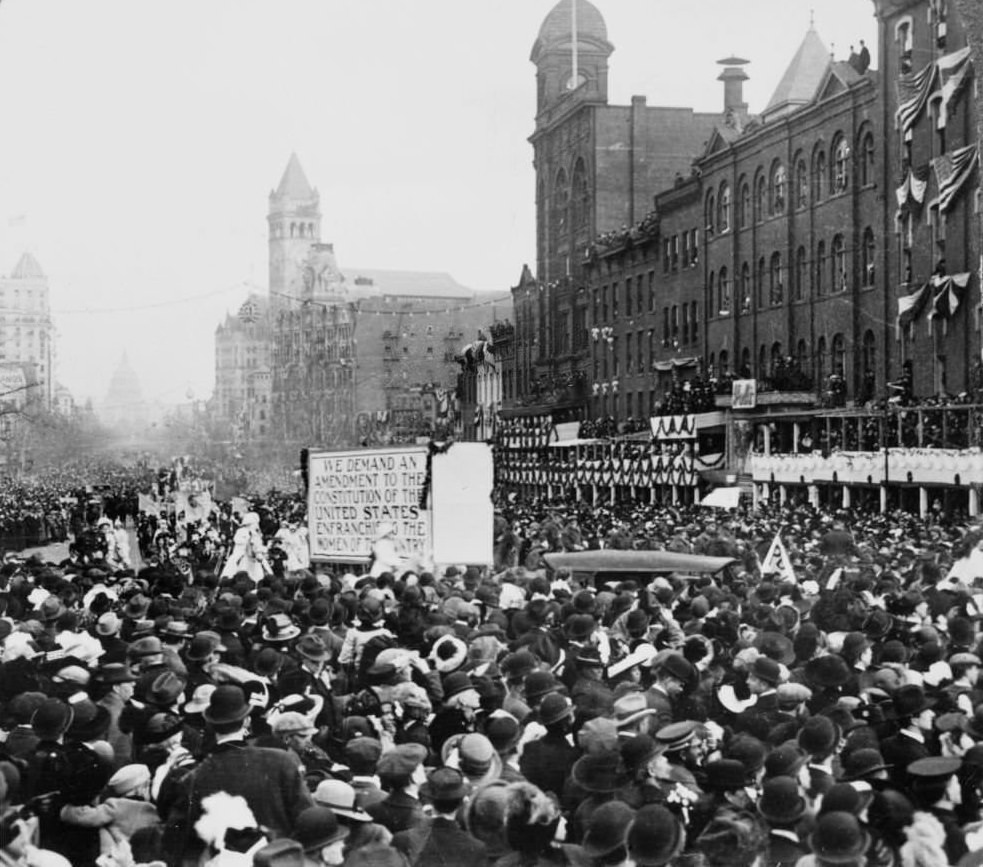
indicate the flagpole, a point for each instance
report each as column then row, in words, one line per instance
column 573, row 36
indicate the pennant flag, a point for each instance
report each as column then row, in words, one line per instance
column 953, row 72
column 913, row 92
column 777, row 561
column 910, row 306
column 947, row 299
column 952, row 171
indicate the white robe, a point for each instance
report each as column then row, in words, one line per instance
column 248, row 554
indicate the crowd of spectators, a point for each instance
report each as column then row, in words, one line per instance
column 817, row 706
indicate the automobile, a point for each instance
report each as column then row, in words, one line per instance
column 613, row 565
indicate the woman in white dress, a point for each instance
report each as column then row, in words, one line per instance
column 248, row 551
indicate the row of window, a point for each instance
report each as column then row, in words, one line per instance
column 829, row 272
column 607, row 299
column 681, row 251
column 388, row 352
column 771, row 190
column 828, row 358
column 680, row 327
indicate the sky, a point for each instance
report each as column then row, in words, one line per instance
column 140, row 141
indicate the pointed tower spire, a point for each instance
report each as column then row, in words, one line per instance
column 801, row 79
column 294, row 184
column 295, row 225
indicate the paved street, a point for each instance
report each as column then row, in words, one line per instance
column 58, row 551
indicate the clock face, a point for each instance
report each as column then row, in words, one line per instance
column 574, row 81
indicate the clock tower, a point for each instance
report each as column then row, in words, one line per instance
column 294, row 228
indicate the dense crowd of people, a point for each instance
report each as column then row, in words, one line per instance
column 206, row 695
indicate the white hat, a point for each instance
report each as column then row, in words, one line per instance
column 127, row 779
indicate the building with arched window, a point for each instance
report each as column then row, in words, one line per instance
column 822, row 247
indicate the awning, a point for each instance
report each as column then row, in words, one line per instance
column 722, row 498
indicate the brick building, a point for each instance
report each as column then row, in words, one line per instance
column 597, row 167
column 826, row 250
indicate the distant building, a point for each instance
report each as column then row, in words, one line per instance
column 26, row 328
column 64, row 401
column 124, row 409
column 242, row 370
column 329, row 352
column 411, row 326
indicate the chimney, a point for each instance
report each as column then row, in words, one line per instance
column 733, row 78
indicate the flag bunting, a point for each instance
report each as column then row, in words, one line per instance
column 952, row 171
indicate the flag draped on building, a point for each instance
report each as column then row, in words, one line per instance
column 952, row 171
column 910, row 306
column 913, row 93
column 947, row 294
column 911, row 193
column 777, row 561
column 953, row 73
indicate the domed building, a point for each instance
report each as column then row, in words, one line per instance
column 124, row 410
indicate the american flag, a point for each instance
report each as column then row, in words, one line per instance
column 947, row 300
column 953, row 72
column 951, row 172
column 909, row 306
column 913, row 92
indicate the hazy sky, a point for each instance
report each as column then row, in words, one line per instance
column 140, row 141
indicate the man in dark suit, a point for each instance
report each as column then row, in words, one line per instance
column 913, row 710
column 269, row 779
column 441, row 840
column 546, row 762
column 400, row 770
column 764, row 715
column 673, row 673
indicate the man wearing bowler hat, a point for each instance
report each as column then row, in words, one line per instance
column 313, row 677
column 547, row 761
column 673, row 673
column 916, row 717
column 764, row 676
column 441, row 840
column 269, row 779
